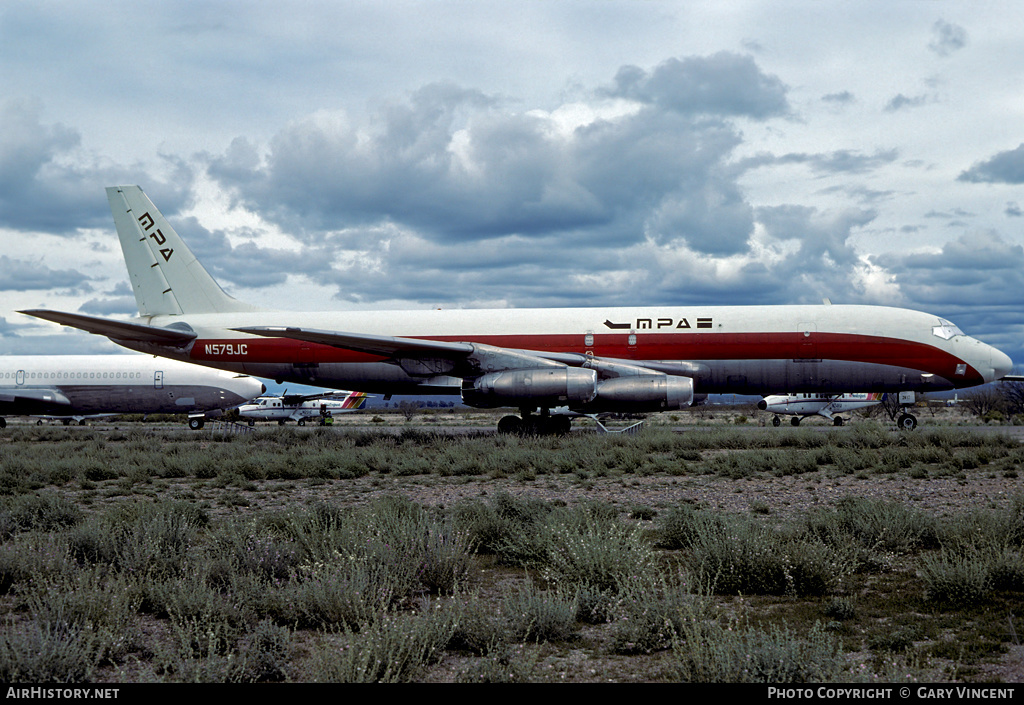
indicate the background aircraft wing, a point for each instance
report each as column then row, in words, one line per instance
column 117, row 330
column 296, row 399
column 31, row 401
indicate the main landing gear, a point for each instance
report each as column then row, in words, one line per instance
column 529, row 424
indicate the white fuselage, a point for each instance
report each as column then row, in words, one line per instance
column 731, row 349
column 274, row 409
column 82, row 385
column 807, row 404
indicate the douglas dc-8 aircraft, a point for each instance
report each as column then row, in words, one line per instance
column 591, row 360
column 77, row 386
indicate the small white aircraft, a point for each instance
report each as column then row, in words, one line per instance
column 828, row 405
column 299, row 407
column 75, row 387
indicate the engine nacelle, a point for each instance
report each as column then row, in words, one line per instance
column 548, row 386
column 643, row 393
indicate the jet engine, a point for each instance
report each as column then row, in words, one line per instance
column 643, row 393
column 548, row 386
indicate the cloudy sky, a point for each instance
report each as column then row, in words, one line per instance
column 327, row 155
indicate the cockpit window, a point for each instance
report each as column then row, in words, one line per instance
column 946, row 330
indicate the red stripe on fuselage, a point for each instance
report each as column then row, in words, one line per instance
column 649, row 346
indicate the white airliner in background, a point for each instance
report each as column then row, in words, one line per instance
column 74, row 387
column 801, row 406
column 299, row 407
column 591, row 360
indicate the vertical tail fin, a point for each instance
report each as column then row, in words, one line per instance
column 355, row 400
column 166, row 277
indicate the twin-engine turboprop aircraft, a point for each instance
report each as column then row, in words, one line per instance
column 800, row 406
column 75, row 387
column 591, row 360
column 300, row 407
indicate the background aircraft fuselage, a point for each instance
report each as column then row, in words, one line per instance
column 80, row 385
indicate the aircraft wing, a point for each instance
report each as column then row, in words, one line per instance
column 374, row 344
column 116, row 330
column 296, row 399
column 464, row 358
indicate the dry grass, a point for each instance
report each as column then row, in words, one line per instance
column 882, row 615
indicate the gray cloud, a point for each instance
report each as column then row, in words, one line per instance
column 19, row 275
column 902, row 102
column 835, row 162
column 824, row 238
column 1005, row 167
column 724, row 84
column 947, row 38
column 246, row 264
column 455, row 166
column 110, row 306
column 48, row 185
column 841, row 98
column 978, row 269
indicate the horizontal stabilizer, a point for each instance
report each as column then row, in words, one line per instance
column 116, row 330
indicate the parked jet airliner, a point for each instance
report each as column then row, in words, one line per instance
column 644, row 358
column 77, row 386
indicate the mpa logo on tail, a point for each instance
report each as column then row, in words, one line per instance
column 146, row 223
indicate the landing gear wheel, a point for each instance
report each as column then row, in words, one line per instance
column 795, row 421
column 837, row 421
column 559, row 425
column 302, row 422
column 907, row 422
column 3, row 423
column 196, row 424
column 510, row 424
column 776, row 421
column 252, row 422
column 280, row 422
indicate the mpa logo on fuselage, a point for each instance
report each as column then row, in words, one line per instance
column 146, row 221
column 658, row 323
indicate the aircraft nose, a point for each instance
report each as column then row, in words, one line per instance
column 252, row 388
column 1001, row 364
